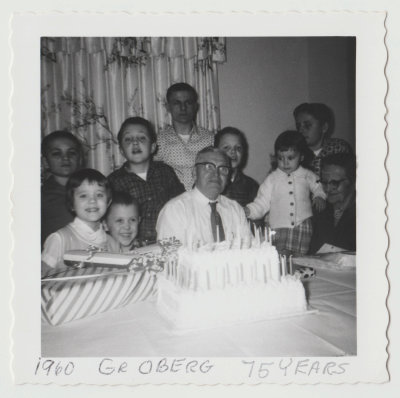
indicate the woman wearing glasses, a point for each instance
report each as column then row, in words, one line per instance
column 336, row 225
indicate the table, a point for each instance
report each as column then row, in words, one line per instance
column 137, row 330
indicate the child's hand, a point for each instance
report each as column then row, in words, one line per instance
column 246, row 211
column 319, row 204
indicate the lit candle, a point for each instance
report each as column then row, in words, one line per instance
column 282, row 266
column 269, row 272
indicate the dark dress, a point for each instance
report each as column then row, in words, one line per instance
column 54, row 211
column 342, row 235
column 243, row 189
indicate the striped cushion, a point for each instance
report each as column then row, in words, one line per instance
column 79, row 293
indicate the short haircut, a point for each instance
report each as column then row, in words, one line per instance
column 345, row 160
column 59, row 134
column 77, row 178
column 234, row 131
column 319, row 111
column 238, row 133
column 181, row 87
column 292, row 139
column 123, row 199
column 137, row 120
column 212, row 149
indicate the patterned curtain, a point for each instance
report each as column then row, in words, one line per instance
column 90, row 85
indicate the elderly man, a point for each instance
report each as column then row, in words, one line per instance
column 202, row 214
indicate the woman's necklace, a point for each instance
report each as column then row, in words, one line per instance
column 337, row 214
column 339, row 210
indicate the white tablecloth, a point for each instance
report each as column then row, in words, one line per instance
column 139, row 331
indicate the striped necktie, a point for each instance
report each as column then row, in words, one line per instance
column 216, row 223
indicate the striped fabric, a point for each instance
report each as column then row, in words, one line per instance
column 79, row 293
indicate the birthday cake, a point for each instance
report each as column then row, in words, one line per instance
column 226, row 283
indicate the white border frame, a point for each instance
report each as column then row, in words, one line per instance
column 370, row 363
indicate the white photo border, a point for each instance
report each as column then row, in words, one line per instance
column 372, row 287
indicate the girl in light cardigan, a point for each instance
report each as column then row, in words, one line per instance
column 288, row 194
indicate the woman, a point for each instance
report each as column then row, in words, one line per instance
column 336, row 225
column 315, row 121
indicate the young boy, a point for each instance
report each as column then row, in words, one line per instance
column 151, row 183
column 62, row 156
column 122, row 221
column 178, row 144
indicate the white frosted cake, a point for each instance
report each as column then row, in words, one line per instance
column 226, row 283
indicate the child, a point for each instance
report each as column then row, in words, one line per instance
column 315, row 121
column 151, row 183
column 241, row 187
column 62, row 155
column 179, row 143
column 122, row 220
column 285, row 193
column 88, row 196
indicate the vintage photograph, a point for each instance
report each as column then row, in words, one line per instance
column 198, row 196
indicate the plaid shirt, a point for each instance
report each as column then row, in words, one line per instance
column 161, row 185
column 181, row 155
column 330, row 146
column 243, row 189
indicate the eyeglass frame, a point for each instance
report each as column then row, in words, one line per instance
column 215, row 167
column 333, row 183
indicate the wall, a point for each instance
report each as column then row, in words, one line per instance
column 264, row 79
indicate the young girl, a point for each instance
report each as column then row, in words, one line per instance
column 241, row 187
column 315, row 121
column 285, row 193
column 88, row 196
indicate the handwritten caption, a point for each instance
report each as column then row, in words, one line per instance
column 294, row 367
column 250, row 369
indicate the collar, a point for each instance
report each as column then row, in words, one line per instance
column 53, row 182
column 238, row 176
column 193, row 131
column 299, row 171
column 125, row 168
column 82, row 226
column 202, row 198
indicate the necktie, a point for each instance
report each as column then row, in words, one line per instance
column 216, row 223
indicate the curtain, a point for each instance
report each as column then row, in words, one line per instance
column 90, row 85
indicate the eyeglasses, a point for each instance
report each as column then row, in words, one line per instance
column 333, row 183
column 223, row 170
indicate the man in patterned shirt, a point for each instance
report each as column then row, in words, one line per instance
column 151, row 183
column 178, row 144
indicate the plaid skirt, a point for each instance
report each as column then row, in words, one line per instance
column 294, row 240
